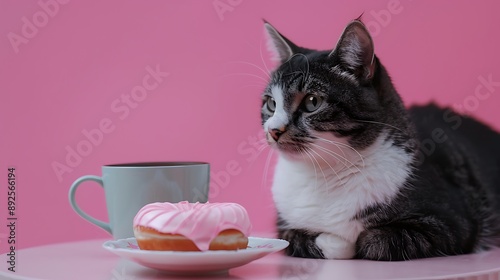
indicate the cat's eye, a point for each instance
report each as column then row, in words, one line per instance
column 312, row 102
column 271, row 104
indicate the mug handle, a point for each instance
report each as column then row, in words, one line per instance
column 72, row 201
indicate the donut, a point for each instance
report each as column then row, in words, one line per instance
column 184, row 226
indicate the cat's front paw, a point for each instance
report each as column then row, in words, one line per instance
column 334, row 247
column 302, row 243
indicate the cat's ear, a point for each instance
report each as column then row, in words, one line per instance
column 355, row 50
column 281, row 48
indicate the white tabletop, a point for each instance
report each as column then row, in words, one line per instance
column 88, row 260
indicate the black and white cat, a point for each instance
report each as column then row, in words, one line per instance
column 351, row 180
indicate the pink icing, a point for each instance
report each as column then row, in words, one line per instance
column 200, row 222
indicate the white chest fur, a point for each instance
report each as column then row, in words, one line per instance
column 325, row 198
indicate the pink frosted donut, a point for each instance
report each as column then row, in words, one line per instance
column 188, row 226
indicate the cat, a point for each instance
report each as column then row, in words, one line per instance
column 352, row 178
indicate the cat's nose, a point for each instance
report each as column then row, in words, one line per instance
column 276, row 133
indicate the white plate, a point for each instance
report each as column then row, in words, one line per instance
column 195, row 262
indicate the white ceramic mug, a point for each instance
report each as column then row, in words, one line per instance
column 128, row 187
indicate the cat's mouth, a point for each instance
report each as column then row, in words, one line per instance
column 288, row 147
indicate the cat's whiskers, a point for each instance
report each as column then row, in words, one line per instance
column 336, row 174
column 266, row 167
column 341, row 159
column 343, row 145
column 267, row 73
column 336, row 144
column 262, row 147
column 314, row 166
column 262, row 144
column 335, row 156
column 319, row 167
column 261, row 84
column 261, row 140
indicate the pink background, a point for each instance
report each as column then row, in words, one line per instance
column 64, row 78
